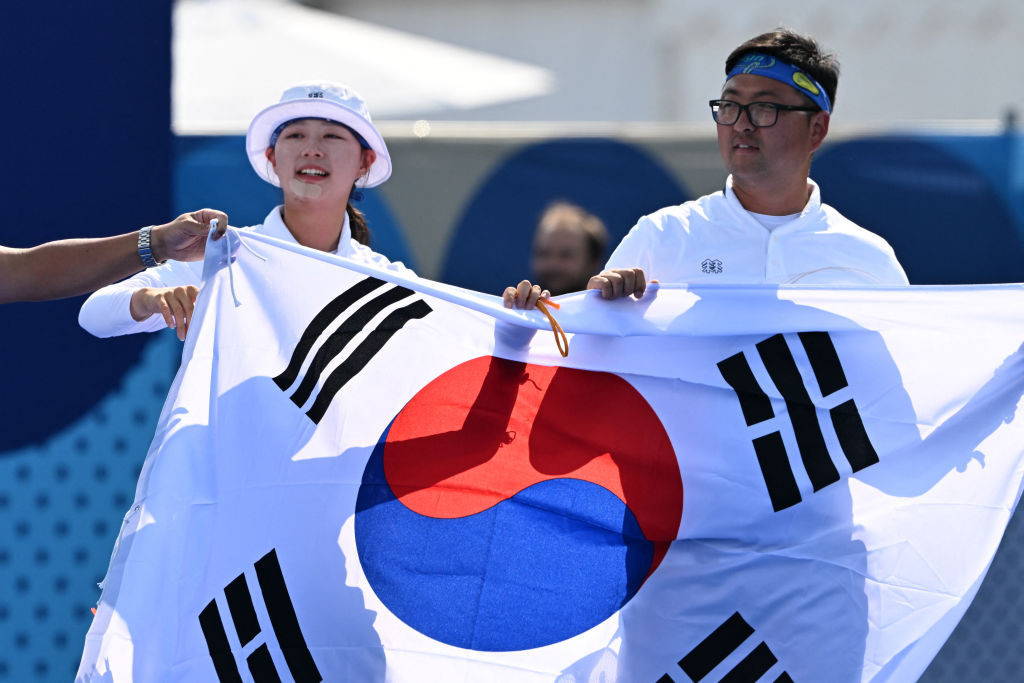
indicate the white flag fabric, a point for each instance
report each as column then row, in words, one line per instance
column 358, row 477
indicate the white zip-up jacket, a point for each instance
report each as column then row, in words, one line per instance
column 107, row 312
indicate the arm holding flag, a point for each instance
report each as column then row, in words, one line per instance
column 64, row 268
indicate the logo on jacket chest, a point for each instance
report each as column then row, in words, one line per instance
column 711, row 266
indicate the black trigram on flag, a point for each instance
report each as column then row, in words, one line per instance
column 337, row 343
column 722, row 642
column 757, row 407
column 283, row 621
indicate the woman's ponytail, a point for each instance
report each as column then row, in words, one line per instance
column 357, row 223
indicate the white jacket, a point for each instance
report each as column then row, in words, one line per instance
column 714, row 239
column 107, row 314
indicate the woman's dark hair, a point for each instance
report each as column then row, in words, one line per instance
column 357, row 223
column 800, row 51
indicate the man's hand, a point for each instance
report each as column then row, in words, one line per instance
column 619, row 282
column 184, row 238
column 175, row 304
column 525, row 296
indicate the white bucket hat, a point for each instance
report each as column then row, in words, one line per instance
column 317, row 100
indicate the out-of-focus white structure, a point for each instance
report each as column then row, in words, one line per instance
column 232, row 58
column 661, row 60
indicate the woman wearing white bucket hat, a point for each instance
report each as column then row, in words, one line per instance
column 319, row 145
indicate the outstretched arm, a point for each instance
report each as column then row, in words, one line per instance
column 75, row 266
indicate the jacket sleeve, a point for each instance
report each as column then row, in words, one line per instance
column 106, row 313
column 636, row 248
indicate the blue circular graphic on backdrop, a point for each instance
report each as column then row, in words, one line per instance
column 946, row 220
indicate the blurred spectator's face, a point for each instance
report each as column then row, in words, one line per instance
column 561, row 261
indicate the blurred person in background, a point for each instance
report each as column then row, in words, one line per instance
column 768, row 225
column 568, row 248
column 319, row 145
column 64, row 268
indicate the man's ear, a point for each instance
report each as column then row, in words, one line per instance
column 270, row 155
column 819, row 129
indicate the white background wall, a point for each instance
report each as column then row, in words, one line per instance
column 661, row 60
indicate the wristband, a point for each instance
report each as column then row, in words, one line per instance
column 145, row 250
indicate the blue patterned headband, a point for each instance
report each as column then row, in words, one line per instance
column 770, row 67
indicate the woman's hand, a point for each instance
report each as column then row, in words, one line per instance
column 525, row 296
column 175, row 304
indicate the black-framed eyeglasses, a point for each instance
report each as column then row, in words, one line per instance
column 761, row 114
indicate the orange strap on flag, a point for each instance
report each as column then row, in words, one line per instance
column 561, row 341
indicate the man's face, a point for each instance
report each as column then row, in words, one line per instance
column 561, row 260
column 773, row 155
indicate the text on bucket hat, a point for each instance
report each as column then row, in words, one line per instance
column 317, row 100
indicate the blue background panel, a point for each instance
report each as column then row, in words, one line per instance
column 86, row 119
column 951, row 207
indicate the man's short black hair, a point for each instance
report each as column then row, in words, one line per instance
column 801, row 51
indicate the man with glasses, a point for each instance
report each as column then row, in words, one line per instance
column 768, row 225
